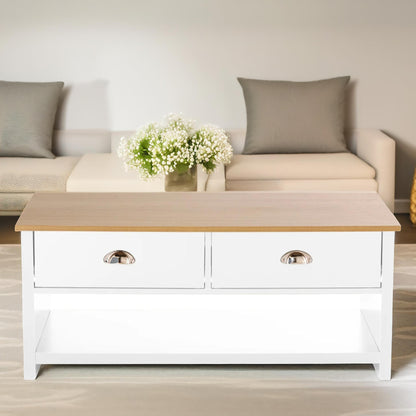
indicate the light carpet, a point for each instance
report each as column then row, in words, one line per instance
column 209, row 390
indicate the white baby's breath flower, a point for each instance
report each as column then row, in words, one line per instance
column 158, row 149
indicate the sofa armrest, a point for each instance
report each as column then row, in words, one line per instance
column 379, row 151
column 213, row 182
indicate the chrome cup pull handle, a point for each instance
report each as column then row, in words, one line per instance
column 119, row 256
column 296, row 257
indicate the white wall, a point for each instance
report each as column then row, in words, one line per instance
column 127, row 62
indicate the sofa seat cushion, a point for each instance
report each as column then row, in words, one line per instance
column 298, row 166
column 13, row 202
column 104, row 172
column 305, row 185
column 22, row 174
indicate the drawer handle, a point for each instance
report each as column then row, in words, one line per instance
column 296, row 257
column 119, row 256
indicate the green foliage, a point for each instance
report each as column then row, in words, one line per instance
column 176, row 146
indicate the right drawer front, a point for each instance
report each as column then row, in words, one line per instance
column 253, row 260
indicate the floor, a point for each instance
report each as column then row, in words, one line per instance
column 7, row 233
column 407, row 235
column 8, row 236
column 325, row 390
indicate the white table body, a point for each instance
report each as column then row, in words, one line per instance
column 337, row 309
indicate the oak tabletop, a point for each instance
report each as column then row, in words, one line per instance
column 204, row 211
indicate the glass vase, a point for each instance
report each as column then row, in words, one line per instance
column 181, row 181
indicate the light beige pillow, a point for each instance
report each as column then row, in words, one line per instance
column 294, row 117
column 27, row 117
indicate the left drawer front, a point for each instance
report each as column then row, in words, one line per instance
column 162, row 260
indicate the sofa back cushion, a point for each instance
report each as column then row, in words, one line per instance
column 116, row 137
column 237, row 138
column 27, row 116
column 79, row 142
column 294, row 117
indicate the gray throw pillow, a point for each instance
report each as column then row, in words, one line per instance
column 294, row 117
column 27, row 117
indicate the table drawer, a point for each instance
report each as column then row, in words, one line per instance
column 253, row 260
column 76, row 259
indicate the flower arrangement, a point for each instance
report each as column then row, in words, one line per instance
column 174, row 146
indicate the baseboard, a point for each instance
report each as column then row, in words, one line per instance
column 401, row 206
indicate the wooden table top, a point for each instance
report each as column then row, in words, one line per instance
column 203, row 211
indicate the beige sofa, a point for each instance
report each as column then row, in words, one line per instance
column 20, row 177
column 87, row 162
column 370, row 167
column 104, row 172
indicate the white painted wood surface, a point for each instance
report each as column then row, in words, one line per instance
column 30, row 334
column 207, row 291
column 206, row 336
column 386, row 314
column 252, row 260
column 163, row 260
column 302, row 330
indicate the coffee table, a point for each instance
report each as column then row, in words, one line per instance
column 207, row 278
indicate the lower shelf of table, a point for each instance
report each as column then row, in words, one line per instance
column 206, row 337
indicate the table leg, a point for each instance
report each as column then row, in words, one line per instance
column 386, row 326
column 30, row 368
